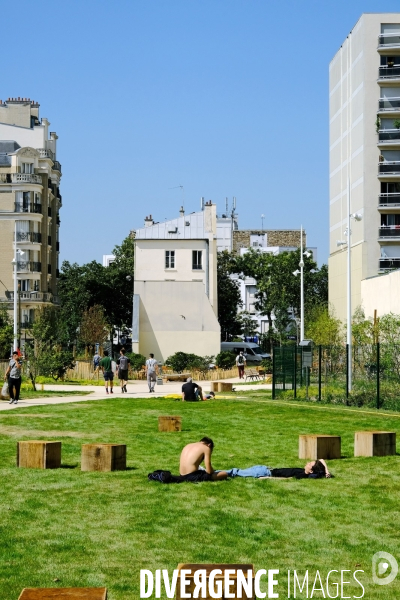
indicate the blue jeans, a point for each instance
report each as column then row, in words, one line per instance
column 256, row 472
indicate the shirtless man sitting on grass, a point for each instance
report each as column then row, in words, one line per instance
column 192, row 456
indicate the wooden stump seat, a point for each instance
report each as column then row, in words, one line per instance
column 208, row 568
column 214, row 386
column 319, row 446
column 38, row 454
column 63, row 594
column 103, row 457
column 374, row 443
column 223, row 386
column 168, row 424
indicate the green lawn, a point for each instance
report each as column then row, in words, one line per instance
column 68, row 528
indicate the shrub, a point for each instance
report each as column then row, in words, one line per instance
column 137, row 360
column 182, row 361
column 225, row 359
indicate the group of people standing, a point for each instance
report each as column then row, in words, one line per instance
column 122, row 368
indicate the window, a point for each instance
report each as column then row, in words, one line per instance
column 170, row 259
column 197, row 259
column 27, row 168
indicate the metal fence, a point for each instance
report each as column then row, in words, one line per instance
column 321, row 374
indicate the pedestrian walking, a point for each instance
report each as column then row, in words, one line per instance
column 123, row 367
column 14, row 377
column 106, row 367
column 96, row 362
column 151, row 372
column 241, row 363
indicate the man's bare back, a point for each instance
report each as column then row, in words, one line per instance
column 193, row 455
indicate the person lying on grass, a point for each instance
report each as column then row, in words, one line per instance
column 192, row 456
column 316, row 469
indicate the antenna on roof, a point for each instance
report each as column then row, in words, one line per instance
column 202, row 203
column 226, row 206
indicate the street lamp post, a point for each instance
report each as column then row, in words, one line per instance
column 17, row 252
column 355, row 217
column 301, row 272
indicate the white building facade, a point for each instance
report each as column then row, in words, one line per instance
column 365, row 154
column 175, row 288
column 30, row 202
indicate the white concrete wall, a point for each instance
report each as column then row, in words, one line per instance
column 381, row 293
column 176, row 316
column 34, row 138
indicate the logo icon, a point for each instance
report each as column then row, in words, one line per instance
column 384, row 568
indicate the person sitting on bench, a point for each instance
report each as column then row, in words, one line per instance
column 192, row 456
column 316, row 469
column 191, row 391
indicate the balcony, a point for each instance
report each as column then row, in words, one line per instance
column 29, row 236
column 390, row 231
column 26, row 324
column 5, row 177
column 389, row 135
column 386, row 40
column 389, row 168
column 24, row 266
column 56, row 166
column 44, row 153
column 26, row 178
column 389, row 264
column 30, row 296
column 389, row 104
column 389, row 200
column 21, row 207
column 389, row 72
column 49, row 240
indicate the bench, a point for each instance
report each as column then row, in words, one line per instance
column 189, row 588
column 63, row 594
column 38, row 454
column 374, row 443
column 175, row 376
column 319, row 446
column 103, row 457
column 252, row 374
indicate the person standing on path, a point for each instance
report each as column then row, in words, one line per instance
column 14, row 377
column 123, row 366
column 106, row 367
column 96, row 362
column 151, row 372
column 241, row 363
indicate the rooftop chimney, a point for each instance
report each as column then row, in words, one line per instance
column 182, row 211
column 148, row 221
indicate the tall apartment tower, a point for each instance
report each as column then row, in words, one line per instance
column 364, row 95
column 30, row 201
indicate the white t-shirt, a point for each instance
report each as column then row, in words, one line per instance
column 241, row 356
column 151, row 364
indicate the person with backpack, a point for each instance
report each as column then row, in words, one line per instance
column 96, row 362
column 151, row 372
column 241, row 363
column 123, row 366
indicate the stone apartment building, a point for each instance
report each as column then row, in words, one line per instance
column 30, row 202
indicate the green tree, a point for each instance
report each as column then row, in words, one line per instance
column 323, row 327
column 94, row 326
column 6, row 332
column 45, row 354
column 228, row 297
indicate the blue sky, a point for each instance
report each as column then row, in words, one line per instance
column 224, row 97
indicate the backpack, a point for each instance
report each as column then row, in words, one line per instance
column 123, row 363
column 241, row 359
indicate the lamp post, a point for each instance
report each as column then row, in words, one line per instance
column 15, row 268
column 347, row 232
column 301, row 272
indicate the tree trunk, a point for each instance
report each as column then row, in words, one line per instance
column 32, row 381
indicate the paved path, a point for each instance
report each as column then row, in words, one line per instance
column 136, row 389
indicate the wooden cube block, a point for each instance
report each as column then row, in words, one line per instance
column 374, row 443
column 38, row 454
column 63, row 594
column 169, row 424
column 103, row 457
column 223, row 386
column 319, row 446
column 208, row 568
column 214, row 386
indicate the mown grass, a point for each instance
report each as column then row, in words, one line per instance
column 68, row 528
